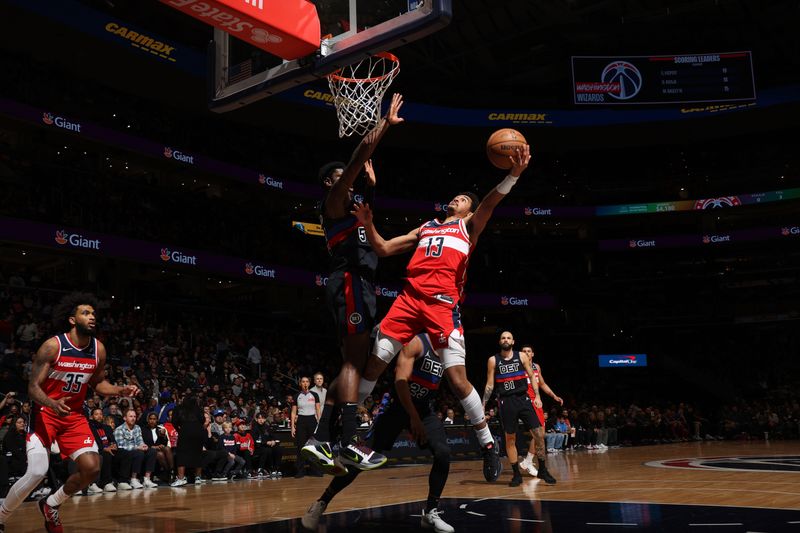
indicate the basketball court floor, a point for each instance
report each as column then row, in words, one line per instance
column 716, row 486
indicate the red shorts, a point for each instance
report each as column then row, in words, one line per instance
column 413, row 313
column 70, row 432
column 538, row 410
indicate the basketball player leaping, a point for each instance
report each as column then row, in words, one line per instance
column 351, row 297
column 417, row 379
column 536, row 446
column 429, row 301
column 64, row 367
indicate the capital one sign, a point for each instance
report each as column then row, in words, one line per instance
column 288, row 29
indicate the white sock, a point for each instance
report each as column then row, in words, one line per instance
column 529, row 457
column 484, row 436
column 365, row 388
column 58, row 497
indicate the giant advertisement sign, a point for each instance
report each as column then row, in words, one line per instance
column 170, row 256
column 706, row 239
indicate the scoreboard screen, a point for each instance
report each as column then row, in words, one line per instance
column 620, row 80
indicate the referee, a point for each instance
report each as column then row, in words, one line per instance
column 305, row 413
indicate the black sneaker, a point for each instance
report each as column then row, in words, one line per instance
column 516, row 480
column 360, row 456
column 545, row 476
column 491, row 463
column 320, row 454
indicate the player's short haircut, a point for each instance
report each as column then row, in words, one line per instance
column 525, row 346
column 472, row 196
column 327, row 169
column 69, row 306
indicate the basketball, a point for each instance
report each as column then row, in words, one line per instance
column 502, row 144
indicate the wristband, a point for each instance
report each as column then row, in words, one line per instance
column 504, row 187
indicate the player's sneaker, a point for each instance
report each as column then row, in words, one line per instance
column 52, row 523
column 432, row 520
column 491, row 463
column 109, row 488
column 179, row 482
column 94, row 489
column 310, row 520
column 136, row 484
column 124, row 486
column 321, row 454
column 545, row 476
column 149, row 484
column 528, row 467
column 360, row 456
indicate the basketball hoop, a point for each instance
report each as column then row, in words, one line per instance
column 358, row 89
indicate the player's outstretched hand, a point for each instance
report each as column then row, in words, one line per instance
column 368, row 168
column 129, row 391
column 520, row 160
column 362, row 212
column 61, row 407
column 394, row 108
column 559, row 400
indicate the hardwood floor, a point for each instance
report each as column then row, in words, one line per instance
column 618, row 475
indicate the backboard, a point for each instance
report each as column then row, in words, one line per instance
column 351, row 30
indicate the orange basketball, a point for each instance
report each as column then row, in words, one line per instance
column 502, row 144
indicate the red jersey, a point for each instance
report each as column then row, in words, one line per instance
column 531, row 392
column 70, row 373
column 245, row 442
column 439, row 264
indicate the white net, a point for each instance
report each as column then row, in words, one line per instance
column 358, row 89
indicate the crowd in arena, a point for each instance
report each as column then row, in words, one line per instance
column 244, row 383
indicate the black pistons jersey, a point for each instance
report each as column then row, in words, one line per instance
column 426, row 376
column 510, row 376
column 347, row 243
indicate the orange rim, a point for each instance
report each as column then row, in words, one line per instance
column 383, row 55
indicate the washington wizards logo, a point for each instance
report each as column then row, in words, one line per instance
column 47, row 118
column 718, row 203
column 739, row 463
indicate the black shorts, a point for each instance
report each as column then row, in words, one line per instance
column 517, row 407
column 351, row 299
column 395, row 419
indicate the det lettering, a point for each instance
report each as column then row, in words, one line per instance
column 432, row 367
column 509, row 368
column 178, row 257
column 259, row 271
column 61, row 122
column 139, row 39
column 77, row 241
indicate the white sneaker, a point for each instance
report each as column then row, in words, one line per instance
column 124, row 486
column 528, row 467
column 179, row 482
column 310, row 520
column 148, row 483
column 110, row 488
column 136, row 484
column 94, row 489
column 432, row 520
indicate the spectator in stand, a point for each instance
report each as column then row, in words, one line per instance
column 132, row 453
column 254, row 358
column 451, row 417
column 227, row 442
column 28, row 333
column 165, row 405
column 14, row 447
column 214, row 459
column 219, row 419
column 113, row 412
column 107, row 447
column 267, row 453
column 564, row 427
column 245, row 447
column 187, row 422
column 156, row 438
